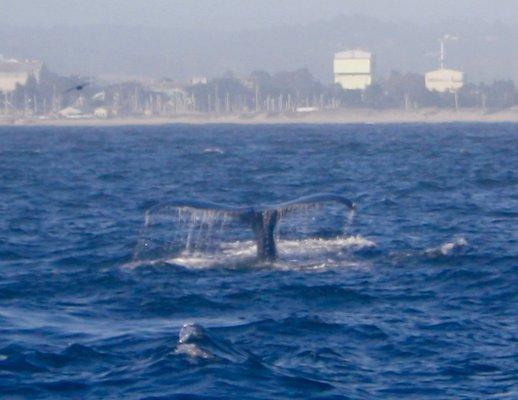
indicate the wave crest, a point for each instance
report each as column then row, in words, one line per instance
column 313, row 253
column 449, row 248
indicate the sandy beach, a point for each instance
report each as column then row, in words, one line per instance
column 358, row 116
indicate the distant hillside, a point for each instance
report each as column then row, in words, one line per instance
column 484, row 50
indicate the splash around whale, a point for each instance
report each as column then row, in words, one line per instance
column 262, row 221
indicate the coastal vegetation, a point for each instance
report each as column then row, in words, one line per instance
column 260, row 92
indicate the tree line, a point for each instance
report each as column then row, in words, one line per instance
column 281, row 92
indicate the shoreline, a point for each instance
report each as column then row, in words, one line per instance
column 359, row 116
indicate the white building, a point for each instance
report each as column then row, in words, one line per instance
column 199, row 80
column 15, row 72
column 444, row 80
column 101, row 113
column 70, row 112
column 353, row 69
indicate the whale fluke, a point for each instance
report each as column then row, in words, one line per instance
column 315, row 200
column 262, row 219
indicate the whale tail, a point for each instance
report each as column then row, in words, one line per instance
column 263, row 225
column 263, row 220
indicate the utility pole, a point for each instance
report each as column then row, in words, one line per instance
column 136, row 103
column 256, row 97
column 227, row 103
column 216, row 99
column 25, row 104
column 407, row 101
column 54, row 100
column 442, row 53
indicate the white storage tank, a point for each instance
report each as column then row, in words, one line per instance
column 353, row 69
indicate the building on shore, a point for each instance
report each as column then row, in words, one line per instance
column 70, row 113
column 199, row 80
column 15, row 72
column 444, row 80
column 101, row 113
column 353, row 69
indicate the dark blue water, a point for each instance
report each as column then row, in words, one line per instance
column 425, row 310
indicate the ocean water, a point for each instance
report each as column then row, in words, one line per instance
column 415, row 298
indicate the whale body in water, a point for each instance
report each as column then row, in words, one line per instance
column 263, row 219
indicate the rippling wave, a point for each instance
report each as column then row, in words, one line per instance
column 414, row 297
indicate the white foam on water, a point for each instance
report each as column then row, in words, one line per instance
column 193, row 351
column 213, row 150
column 212, row 238
column 448, row 248
column 292, row 254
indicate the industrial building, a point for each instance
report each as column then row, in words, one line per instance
column 444, row 80
column 353, row 69
column 15, row 72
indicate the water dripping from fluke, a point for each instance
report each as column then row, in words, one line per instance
column 198, row 233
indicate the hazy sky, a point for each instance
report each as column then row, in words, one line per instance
column 179, row 38
column 239, row 14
